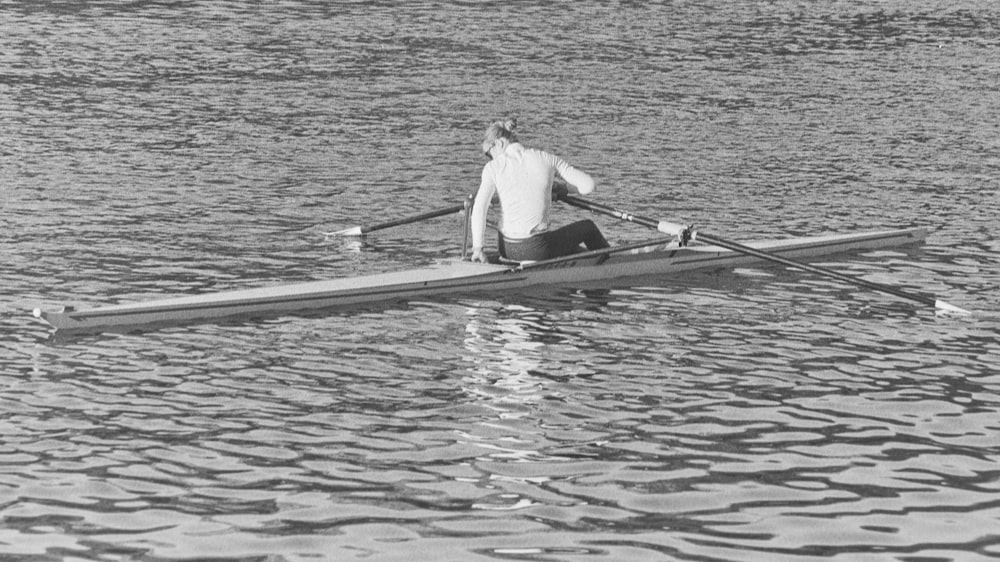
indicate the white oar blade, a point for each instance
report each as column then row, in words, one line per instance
column 355, row 231
column 945, row 308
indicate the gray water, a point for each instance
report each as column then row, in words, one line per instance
column 154, row 148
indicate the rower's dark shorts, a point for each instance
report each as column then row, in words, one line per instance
column 554, row 243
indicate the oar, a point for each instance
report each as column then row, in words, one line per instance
column 602, row 254
column 679, row 230
column 362, row 230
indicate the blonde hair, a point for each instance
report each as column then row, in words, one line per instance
column 500, row 130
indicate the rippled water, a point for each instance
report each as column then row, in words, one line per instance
column 155, row 148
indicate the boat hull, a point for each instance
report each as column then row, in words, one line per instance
column 452, row 278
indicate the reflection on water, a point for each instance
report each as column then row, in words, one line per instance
column 756, row 414
column 505, row 352
column 691, row 423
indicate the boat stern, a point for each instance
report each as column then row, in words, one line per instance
column 60, row 320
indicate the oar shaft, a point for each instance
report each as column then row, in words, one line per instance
column 412, row 219
column 663, row 226
column 610, row 211
column 736, row 247
column 603, row 252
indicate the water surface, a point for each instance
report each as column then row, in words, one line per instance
column 150, row 149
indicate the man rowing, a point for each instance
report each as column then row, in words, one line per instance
column 522, row 180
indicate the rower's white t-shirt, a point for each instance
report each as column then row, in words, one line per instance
column 522, row 178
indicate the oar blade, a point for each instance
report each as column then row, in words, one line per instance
column 354, row 231
column 942, row 307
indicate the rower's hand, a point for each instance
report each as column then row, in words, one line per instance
column 685, row 236
column 559, row 190
column 479, row 256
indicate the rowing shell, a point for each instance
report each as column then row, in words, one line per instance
column 452, row 278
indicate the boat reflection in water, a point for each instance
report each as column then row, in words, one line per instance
column 506, row 354
column 508, row 348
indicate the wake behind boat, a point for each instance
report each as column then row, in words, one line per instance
column 659, row 258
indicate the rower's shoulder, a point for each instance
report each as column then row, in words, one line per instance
column 542, row 155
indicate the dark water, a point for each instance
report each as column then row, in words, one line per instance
column 154, row 148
